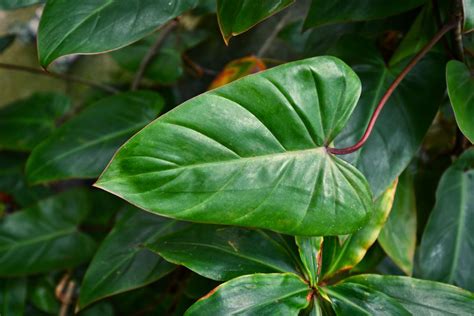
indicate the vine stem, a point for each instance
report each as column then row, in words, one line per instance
column 65, row 77
column 391, row 89
column 268, row 42
column 152, row 52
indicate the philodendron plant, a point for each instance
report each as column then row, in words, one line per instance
column 295, row 190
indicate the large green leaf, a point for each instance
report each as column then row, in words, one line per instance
column 252, row 154
column 328, row 12
column 403, row 122
column 82, row 147
column 44, row 237
column 310, row 249
column 15, row 4
column 94, row 26
column 356, row 299
column 398, row 236
column 356, row 245
column 25, row 123
column 420, row 297
column 223, row 253
column 257, row 294
column 460, row 83
column 236, row 17
column 122, row 262
column 447, row 246
column 12, row 297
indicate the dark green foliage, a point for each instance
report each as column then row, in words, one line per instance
column 185, row 173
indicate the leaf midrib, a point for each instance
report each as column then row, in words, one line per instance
column 347, row 301
column 10, row 247
column 99, row 140
column 133, row 250
column 236, row 254
column 272, row 301
column 316, row 150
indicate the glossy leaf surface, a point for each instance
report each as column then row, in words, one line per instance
column 258, row 294
column 122, row 262
column 12, row 296
column 461, row 93
column 355, row 246
column 95, row 26
column 328, row 12
column 447, row 245
column 310, row 249
column 236, row 17
column 420, row 297
column 398, row 235
column 25, row 123
column 356, row 299
column 223, row 253
column 404, row 120
column 82, row 147
column 44, row 237
column 254, row 155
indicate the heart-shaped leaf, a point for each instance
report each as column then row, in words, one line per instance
column 257, row 294
column 252, row 153
column 82, row 147
column 236, row 17
column 398, row 235
column 447, row 245
column 95, row 26
column 223, row 253
column 460, row 82
column 122, row 262
column 44, row 237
